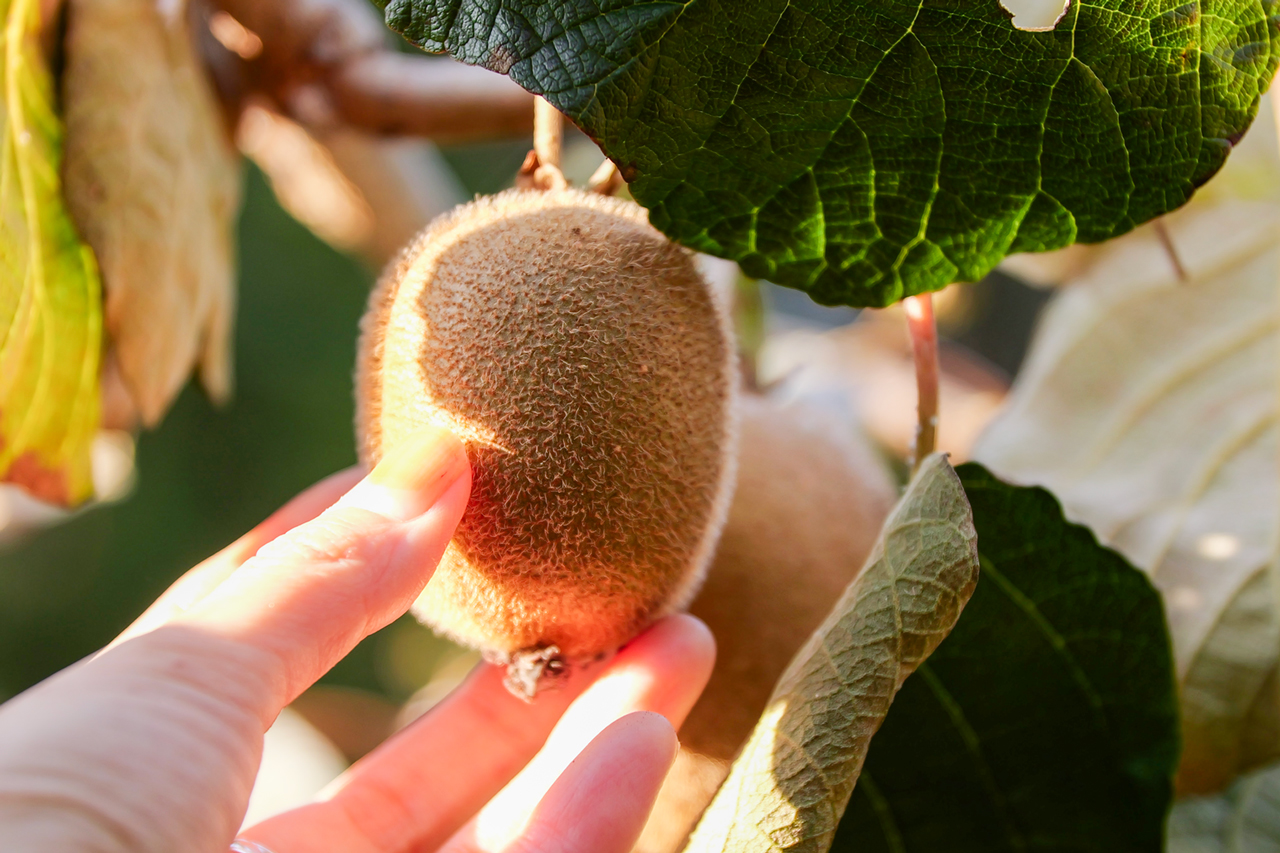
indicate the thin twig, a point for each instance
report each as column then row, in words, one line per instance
column 328, row 62
column 1166, row 240
column 606, row 180
column 399, row 94
column 924, row 344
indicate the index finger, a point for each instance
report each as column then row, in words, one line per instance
column 195, row 584
column 306, row 598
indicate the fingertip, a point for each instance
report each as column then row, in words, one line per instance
column 650, row 735
column 452, row 502
column 642, row 745
column 696, row 639
column 680, row 637
column 414, row 475
column 412, row 464
column 602, row 799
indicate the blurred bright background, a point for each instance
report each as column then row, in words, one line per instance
column 206, row 475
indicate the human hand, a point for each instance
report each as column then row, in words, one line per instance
column 152, row 745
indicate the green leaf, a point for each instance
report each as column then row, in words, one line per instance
column 867, row 150
column 793, row 777
column 1245, row 819
column 1047, row 720
column 50, row 296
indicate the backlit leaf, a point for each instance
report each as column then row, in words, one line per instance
column 866, row 150
column 50, row 301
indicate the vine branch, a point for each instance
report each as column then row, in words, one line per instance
column 328, row 62
column 606, row 179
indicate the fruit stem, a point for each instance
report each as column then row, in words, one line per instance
column 924, row 343
column 548, row 132
column 606, row 180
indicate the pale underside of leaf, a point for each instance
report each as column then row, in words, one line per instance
column 1148, row 406
column 1244, row 819
column 50, row 303
column 153, row 184
column 792, row 780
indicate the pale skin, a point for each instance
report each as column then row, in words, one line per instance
column 152, row 745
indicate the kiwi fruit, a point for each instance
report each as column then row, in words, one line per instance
column 811, row 497
column 590, row 371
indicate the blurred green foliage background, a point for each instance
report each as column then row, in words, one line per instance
column 207, row 475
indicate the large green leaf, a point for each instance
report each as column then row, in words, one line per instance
column 1046, row 720
column 865, row 150
column 50, row 297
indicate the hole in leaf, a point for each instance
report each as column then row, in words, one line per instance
column 1036, row 15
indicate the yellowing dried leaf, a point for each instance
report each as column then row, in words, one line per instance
column 50, row 303
column 792, row 781
column 1148, row 406
column 153, row 184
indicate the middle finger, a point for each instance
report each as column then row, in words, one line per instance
column 422, row 786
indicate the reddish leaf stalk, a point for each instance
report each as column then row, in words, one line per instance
column 924, row 343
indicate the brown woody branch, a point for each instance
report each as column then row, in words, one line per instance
column 396, row 94
column 328, row 62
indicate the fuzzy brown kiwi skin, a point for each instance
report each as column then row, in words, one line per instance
column 590, row 371
column 810, row 501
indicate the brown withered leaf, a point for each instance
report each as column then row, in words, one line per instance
column 153, row 184
column 792, row 781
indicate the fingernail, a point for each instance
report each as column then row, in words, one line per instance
column 412, row 474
